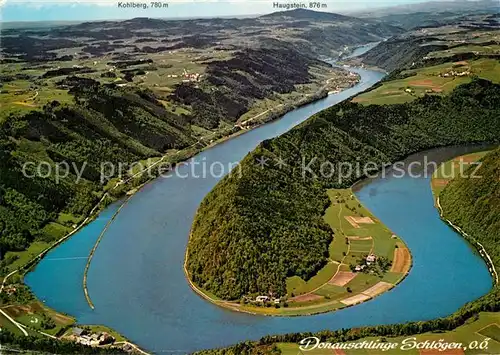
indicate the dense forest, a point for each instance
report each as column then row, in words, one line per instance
column 253, row 231
column 105, row 124
column 470, row 203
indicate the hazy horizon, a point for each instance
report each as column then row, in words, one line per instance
column 65, row 11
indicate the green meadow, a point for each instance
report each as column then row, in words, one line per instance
column 430, row 80
column 472, row 48
column 357, row 233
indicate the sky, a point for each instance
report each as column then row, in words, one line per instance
column 79, row 10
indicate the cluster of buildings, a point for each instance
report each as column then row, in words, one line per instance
column 191, row 77
column 264, row 299
column 455, row 73
column 86, row 337
column 370, row 259
column 187, row 77
column 10, row 289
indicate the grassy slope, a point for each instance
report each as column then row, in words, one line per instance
column 344, row 204
column 424, row 80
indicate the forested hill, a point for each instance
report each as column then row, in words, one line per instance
column 253, row 232
column 106, row 124
column 473, row 204
column 251, row 75
column 462, row 38
column 119, row 92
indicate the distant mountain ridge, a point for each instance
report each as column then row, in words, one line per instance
column 430, row 7
column 304, row 14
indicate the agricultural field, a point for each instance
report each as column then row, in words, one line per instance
column 469, row 336
column 433, row 61
column 476, row 49
column 365, row 260
column 159, row 72
column 433, row 80
column 357, row 234
column 23, row 96
column 348, row 278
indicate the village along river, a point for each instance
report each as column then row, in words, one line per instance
column 136, row 279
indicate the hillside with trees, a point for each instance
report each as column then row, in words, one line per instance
column 472, row 202
column 254, row 231
column 105, row 124
column 253, row 74
column 119, row 92
column 459, row 37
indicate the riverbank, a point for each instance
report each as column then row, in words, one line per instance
column 365, row 260
column 474, row 327
column 479, row 336
column 446, row 172
column 156, row 223
column 35, row 319
column 135, row 182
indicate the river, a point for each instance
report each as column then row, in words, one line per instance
column 136, row 278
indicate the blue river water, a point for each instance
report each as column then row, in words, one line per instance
column 136, row 278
